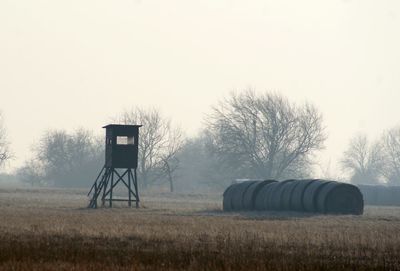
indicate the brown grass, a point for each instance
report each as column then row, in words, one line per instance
column 50, row 230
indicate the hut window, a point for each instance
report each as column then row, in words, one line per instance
column 125, row 140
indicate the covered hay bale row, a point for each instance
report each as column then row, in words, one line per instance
column 380, row 194
column 318, row 196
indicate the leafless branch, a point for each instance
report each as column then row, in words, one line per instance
column 158, row 145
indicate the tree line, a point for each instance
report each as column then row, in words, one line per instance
column 246, row 135
column 374, row 162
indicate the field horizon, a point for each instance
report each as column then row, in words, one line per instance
column 51, row 229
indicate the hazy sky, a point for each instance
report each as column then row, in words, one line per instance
column 71, row 63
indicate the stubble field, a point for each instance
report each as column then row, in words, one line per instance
column 48, row 229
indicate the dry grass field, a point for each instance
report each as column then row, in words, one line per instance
column 52, row 230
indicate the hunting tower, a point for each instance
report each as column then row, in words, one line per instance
column 121, row 160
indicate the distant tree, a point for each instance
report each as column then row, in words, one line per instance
column 391, row 148
column 200, row 168
column 265, row 136
column 170, row 161
column 363, row 160
column 159, row 144
column 329, row 172
column 69, row 160
column 5, row 153
column 31, row 173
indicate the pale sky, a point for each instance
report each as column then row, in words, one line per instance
column 71, row 63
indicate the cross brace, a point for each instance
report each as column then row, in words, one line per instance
column 107, row 180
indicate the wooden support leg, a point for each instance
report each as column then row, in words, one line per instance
column 105, row 185
column 112, row 186
column 129, row 189
column 136, row 189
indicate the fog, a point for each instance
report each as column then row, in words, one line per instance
column 65, row 64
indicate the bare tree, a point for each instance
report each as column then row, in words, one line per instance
column 391, row 147
column 265, row 135
column 170, row 160
column 363, row 160
column 158, row 145
column 69, row 159
column 32, row 173
column 5, row 153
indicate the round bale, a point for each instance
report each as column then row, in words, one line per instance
column 276, row 195
column 259, row 203
column 340, row 198
column 311, row 195
column 238, row 193
column 287, row 194
column 296, row 201
column 251, row 193
column 268, row 200
column 227, row 197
